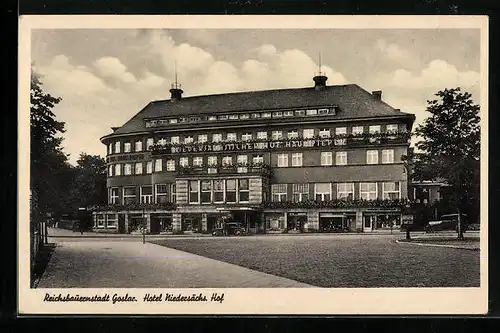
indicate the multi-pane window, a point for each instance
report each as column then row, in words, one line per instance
column 243, row 190
column 173, row 193
column 246, row 137
column 114, row 196
column 323, row 191
column 326, row 158
column 170, row 165
column 287, row 113
column 227, row 160
column 357, row 130
column 212, row 160
column 194, row 196
column 138, row 145
column 282, row 160
column 162, row 142
column 159, row 165
column 391, row 190
column 217, row 137
column 300, row 192
column 345, row 191
column 111, row 221
column 391, row 128
column 324, row 133
column 198, row 161
column 149, row 142
column 223, row 117
column 127, row 147
column 374, row 129
column 277, row 135
column 206, row 191
column 278, row 192
column 341, row 158
column 262, row 135
column 311, row 112
column 340, row 132
column 308, row 133
column 161, row 193
column 293, row 135
column 258, row 159
column 110, row 170
column 117, row 147
column 118, row 169
column 146, row 194
column 244, row 116
column 110, row 148
column 172, row 121
column 231, row 137
column 218, row 190
column 255, row 115
column 242, row 160
column 212, row 118
column 138, row 168
column 387, row 156
column 368, row 191
column 202, row 138
column 300, row 113
column 297, row 159
column 128, row 169
column 372, row 157
column 128, row 195
column 278, row 114
column 231, row 190
column 233, row 117
column 175, row 140
column 188, row 139
column 149, row 167
column 266, row 115
column 184, row 162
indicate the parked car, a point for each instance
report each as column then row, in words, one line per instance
column 447, row 222
column 230, row 228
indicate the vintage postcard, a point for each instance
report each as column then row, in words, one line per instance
column 253, row 165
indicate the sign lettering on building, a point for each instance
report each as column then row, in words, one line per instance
column 240, row 146
column 129, row 157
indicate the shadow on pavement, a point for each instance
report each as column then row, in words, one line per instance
column 41, row 263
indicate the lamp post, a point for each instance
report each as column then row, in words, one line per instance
column 143, row 225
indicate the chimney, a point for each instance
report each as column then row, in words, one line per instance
column 175, row 92
column 377, row 94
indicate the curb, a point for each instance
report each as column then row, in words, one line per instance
column 437, row 245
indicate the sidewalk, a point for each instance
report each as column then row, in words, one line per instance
column 131, row 264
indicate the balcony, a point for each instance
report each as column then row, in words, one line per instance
column 238, row 169
column 317, row 142
column 337, row 203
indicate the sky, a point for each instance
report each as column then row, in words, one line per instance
column 105, row 77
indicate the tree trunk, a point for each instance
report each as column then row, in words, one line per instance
column 460, row 227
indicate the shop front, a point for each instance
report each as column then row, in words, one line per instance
column 337, row 222
column 380, row 221
column 296, row 222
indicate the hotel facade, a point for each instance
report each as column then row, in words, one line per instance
column 315, row 159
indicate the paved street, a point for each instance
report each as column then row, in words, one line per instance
column 343, row 260
column 103, row 263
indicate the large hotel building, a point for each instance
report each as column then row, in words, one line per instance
column 315, row 159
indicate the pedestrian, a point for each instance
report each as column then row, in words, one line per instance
column 81, row 224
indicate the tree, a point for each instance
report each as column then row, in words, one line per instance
column 89, row 187
column 450, row 148
column 49, row 166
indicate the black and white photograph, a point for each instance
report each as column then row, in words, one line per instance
column 253, row 164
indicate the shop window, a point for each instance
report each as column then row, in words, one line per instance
column 326, row 158
column 368, row 191
column 345, row 191
column 244, row 190
column 218, row 191
column 300, row 192
column 128, row 195
column 391, row 190
column 231, row 190
column 194, row 191
column 278, row 192
column 323, row 191
column 161, row 193
column 206, row 191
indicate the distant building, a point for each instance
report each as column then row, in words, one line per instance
column 428, row 192
column 312, row 159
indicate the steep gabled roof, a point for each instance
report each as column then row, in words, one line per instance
column 352, row 101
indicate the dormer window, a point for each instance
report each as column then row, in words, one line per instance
column 311, row 112
column 233, row 117
column 288, row 114
column 323, row 111
column 223, row 117
column 300, row 113
column 255, row 115
column 244, row 116
column 172, row 121
column 266, row 115
column 212, row 118
column 278, row 114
